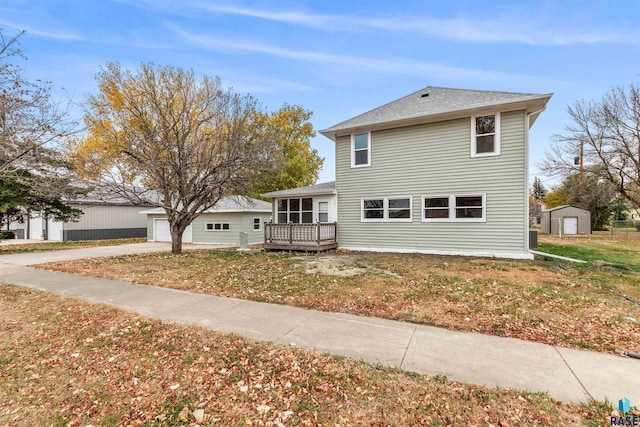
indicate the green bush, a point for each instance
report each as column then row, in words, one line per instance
column 637, row 225
column 7, row 235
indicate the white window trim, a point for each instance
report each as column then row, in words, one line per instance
column 222, row 230
column 452, row 208
column 496, row 140
column 385, row 209
column 353, row 152
column 253, row 223
column 289, row 211
column 435, row 196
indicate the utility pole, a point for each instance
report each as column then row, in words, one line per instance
column 581, row 161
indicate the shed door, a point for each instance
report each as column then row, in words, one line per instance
column 570, row 225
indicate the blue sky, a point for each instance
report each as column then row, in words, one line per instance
column 342, row 58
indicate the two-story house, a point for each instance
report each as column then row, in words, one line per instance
column 439, row 171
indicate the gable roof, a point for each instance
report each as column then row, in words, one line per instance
column 563, row 207
column 310, row 190
column 435, row 104
column 229, row 204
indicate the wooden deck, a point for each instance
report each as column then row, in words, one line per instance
column 301, row 237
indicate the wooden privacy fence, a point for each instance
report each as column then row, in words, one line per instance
column 316, row 236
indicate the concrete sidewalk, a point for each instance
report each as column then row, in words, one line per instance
column 566, row 374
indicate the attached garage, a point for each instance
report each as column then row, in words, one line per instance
column 219, row 225
column 162, row 231
column 566, row 220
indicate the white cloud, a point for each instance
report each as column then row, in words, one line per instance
column 503, row 29
column 49, row 34
column 396, row 66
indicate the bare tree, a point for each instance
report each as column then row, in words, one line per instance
column 161, row 136
column 603, row 140
column 30, row 119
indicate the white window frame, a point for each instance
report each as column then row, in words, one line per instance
column 353, row 150
column 385, row 209
column 453, row 206
column 496, row 139
column 259, row 223
column 435, row 196
column 213, row 227
column 300, row 211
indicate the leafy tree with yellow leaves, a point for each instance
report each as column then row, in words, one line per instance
column 292, row 133
column 161, row 136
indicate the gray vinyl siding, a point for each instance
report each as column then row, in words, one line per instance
column 150, row 219
column 434, row 159
column 238, row 222
column 100, row 217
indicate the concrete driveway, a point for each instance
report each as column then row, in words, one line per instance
column 33, row 258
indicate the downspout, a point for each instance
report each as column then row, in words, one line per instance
column 526, row 178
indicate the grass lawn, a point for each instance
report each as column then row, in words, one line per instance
column 55, row 246
column 553, row 302
column 114, row 368
column 621, row 254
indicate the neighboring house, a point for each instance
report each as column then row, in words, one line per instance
column 535, row 212
column 633, row 214
column 99, row 220
column 440, row 171
column 566, row 220
column 222, row 224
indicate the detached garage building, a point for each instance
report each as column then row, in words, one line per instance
column 115, row 219
column 565, row 219
column 220, row 225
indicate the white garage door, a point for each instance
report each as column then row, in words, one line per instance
column 161, row 231
column 570, row 225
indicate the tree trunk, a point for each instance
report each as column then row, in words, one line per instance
column 176, row 245
column 177, row 229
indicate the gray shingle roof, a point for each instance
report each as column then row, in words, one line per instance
column 323, row 188
column 433, row 101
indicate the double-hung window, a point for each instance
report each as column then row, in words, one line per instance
column 361, row 150
column 257, row 224
column 485, row 135
column 436, row 208
column 467, row 207
column 394, row 209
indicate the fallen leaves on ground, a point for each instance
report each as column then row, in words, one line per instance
column 536, row 301
column 66, row 362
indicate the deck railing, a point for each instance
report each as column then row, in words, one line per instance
column 318, row 233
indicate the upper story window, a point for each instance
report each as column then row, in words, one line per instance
column 361, row 150
column 386, row 209
column 485, row 135
column 467, row 207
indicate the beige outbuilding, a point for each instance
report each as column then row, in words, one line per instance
column 566, row 220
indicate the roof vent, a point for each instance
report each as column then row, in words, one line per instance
column 424, row 95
